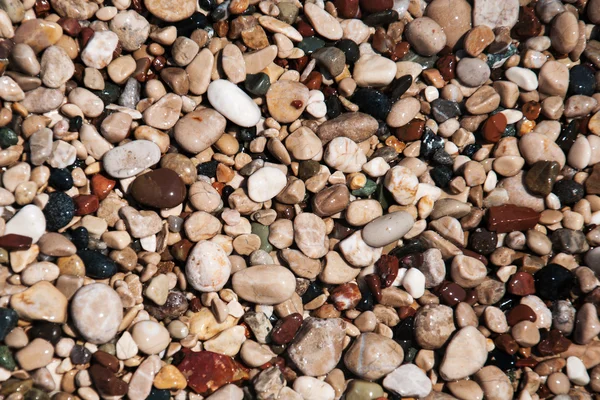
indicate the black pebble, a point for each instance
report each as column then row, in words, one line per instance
column 208, row 169
column 45, row 330
column 61, row 179
column 80, row 238
column 400, row 86
column 443, row 110
column 59, row 211
column 553, row 282
column 367, row 301
column 208, row 5
column 97, row 265
column 8, row 320
column 404, row 332
column 568, row 192
column 80, row 355
column 75, row 124
column 257, row 84
column 502, row 360
column 372, row 102
column 470, row 149
column 430, row 143
column 442, row 158
column 313, row 291
column 247, row 134
column 483, row 241
column 441, row 175
column 334, row 107
column 381, row 18
column 350, row 49
column 582, row 80
column 567, row 136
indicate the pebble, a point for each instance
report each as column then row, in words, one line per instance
column 426, row 36
column 287, row 100
column 408, row 381
column 233, row 103
column 433, row 326
column 97, row 312
column 387, row 229
column 131, row 158
column 170, row 11
column 494, row 383
column 317, row 348
column 161, row 188
column 473, row 72
column 323, row 23
column 454, row 18
column 42, row 301
column 131, row 28
column 465, row 354
column 150, row 337
column 264, row 284
column 98, row 52
column 266, row 183
column 28, row 221
column 187, row 130
column 524, row 78
column 207, row 268
column 402, row 183
column 374, row 71
column 313, row 388
column 37, row 354
column 486, row 12
column 373, row 356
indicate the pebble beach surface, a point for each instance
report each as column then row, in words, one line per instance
column 299, row 200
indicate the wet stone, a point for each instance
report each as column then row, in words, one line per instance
column 541, row 177
column 582, row 80
column 59, row 211
column 8, row 320
column 483, row 241
column 372, row 102
column 509, row 218
column 161, row 188
column 554, row 282
column 97, row 265
column 568, row 192
column 442, row 110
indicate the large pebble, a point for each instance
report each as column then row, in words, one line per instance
column 408, row 381
column 536, row 147
column 323, row 22
column 356, row 126
column 453, row 16
column 42, row 301
column 426, row 36
column 374, row 71
column 493, row 14
column 199, row 130
column 171, row 10
column 402, row 183
column 264, row 284
column 344, row 155
column 233, row 103
column 208, row 267
column 97, row 312
column 372, row 356
column 287, row 100
column 266, row 183
column 357, row 252
column 98, row 52
column 150, row 337
column 313, row 389
column 56, row 67
column 164, row 113
column 317, row 348
column 28, row 221
column 465, row 354
column 131, row 158
column 387, row 229
column 131, row 28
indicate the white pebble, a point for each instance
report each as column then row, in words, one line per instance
column 414, row 283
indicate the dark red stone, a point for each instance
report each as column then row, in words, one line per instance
column 314, row 80
column 387, row 267
column 106, row 360
column 526, row 362
column 374, row 283
column 207, row 371
column 520, row 312
column 506, row 343
column 305, row 29
column 447, row 66
column 161, row 188
column 12, row 242
column 373, row 6
column 286, row 328
column 346, row 296
column 105, row 381
column 70, row 26
column 528, row 24
column 411, row 131
column 509, row 218
column 494, row 127
column 346, row 8
column 41, row 8
column 521, row 284
column 101, row 186
column 85, row 35
column 450, row 293
column 554, row 343
column 86, row 204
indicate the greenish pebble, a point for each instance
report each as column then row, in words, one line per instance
column 110, row 94
column 8, row 137
column 496, row 60
column 307, row 169
column 258, row 84
column 159, row 394
column 8, row 320
column 367, row 190
column 311, row 44
column 16, row 386
column 510, row 131
column 6, row 359
column 384, row 197
column 262, row 231
column 36, row 394
column 426, row 62
column 3, row 256
column 109, row 348
column 288, row 12
column 363, row 390
column 410, row 354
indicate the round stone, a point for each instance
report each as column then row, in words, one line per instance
column 97, row 312
column 208, row 267
column 59, row 211
column 150, row 337
column 161, row 188
column 554, row 282
column 266, row 183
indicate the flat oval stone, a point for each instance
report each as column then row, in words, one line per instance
column 150, row 336
column 331, row 200
column 233, row 103
column 264, row 284
column 208, row 267
column 465, row 354
column 97, row 312
column 161, row 188
column 453, row 16
column 199, row 130
column 38, row 33
column 131, row 158
column 387, row 229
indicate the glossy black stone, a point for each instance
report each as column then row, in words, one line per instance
column 59, row 211
column 350, row 49
column 553, row 282
column 8, row 137
column 372, row 102
column 247, row 134
column 442, row 158
column 334, row 107
column 367, row 301
column 400, row 86
column 45, row 330
column 221, row 12
column 313, row 291
column 383, row 131
column 501, row 360
column 508, row 302
column 80, row 237
column 80, row 355
column 208, row 5
column 443, row 110
column 470, row 149
column 8, row 320
column 430, row 143
column 569, row 241
column 75, row 124
column 568, row 135
column 441, row 175
column 483, row 241
column 97, row 265
column 208, row 169
column 257, row 84
column 404, row 331
column 159, row 394
column 568, row 192
column 110, row 94
column 61, row 179
column 410, row 246
column 311, row 44
column 381, row 18
column 582, row 80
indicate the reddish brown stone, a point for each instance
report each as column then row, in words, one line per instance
column 506, row 343
column 374, row 283
column 494, row 127
column 159, row 63
column 411, row 131
column 346, row 8
column 399, row 50
column 314, row 80
column 526, row 362
column 528, row 24
column 447, row 66
column 195, row 304
column 207, row 371
column 221, row 28
column 160, row 188
column 101, row 186
column 450, row 293
column 86, row 204
column 387, row 267
column 142, row 66
column 509, row 218
column 471, row 253
column 531, row 110
column 372, row 6
column 85, row 35
column 105, row 381
column 181, row 249
column 298, row 64
column 406, row 311
column 286, row 328
column 305, row 29
column 12, row 242
column 521, row 284
column 381, row 42
column 520, row 312
column 41, row 8
column 70, row 26
column 554, row 343
column 106, row 360
column 346, row 296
